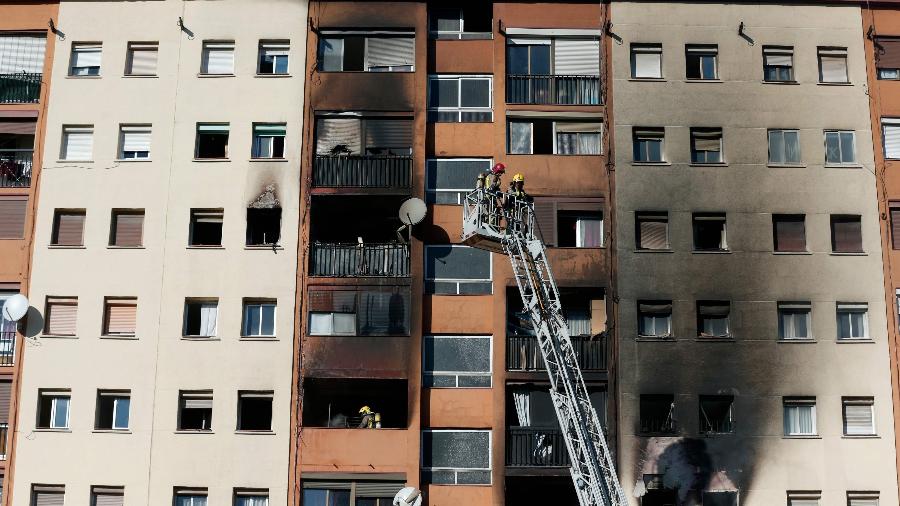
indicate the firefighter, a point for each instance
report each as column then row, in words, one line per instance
column 493, row 182
column 370, row 419
column 516, row 189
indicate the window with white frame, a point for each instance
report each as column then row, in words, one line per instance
column 353, row 51
column 141, row 59
column 457, row 361
column 578, row 138
column 134, row 142
column 648, row 144
column 833, row 65
column 852, row 321
column 77, row 142
column 859, row 416
column 191, row 496
column 646, row 61
column 268, row 140
column 864, row 498
column 533, row 136
column 784, row 147
column 460, row 99
column 252, row 497
column 113, row 410
column 778, row 64
column 451, row 457
column 472, row 21
column 273, row 57
column 799, row 416
column 449, row 180
column 217, row 58
column 840, row 147
column 706, row 146
column 200, row 317
column 654, row 318
column 454, row 269
column 890, row 131
column 794, row 320
column 53, row 409
column 369, row 311
column 259, row 318
column 701, row 61
column 332, row 323
column 85, row 59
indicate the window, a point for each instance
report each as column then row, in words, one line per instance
column 127, row 228
column 457, row 270
column 119, row 316
column 263, row 226
column 452, row 457
column 60, row 316
column 85, row 60
column 852, row 321
column 657, row 493
column 107, row 496
column 339, row 136
column 859, row 416
column 784, row 147
column 332, row 323
column 651, row 230
column 206, row 227
column 47, row 495
column 528, row 57
column 273, row 57
column 657, row 413
column 77, row 143
column 367, row 312
column 340, row 492
column 794, row 320
column 702, row 61
column 141, row 58
column 706, row 145
column 846, row 234
column 268, row 140
column 579, row 229
column 862, row 498
column 113, row 409
column 713, row 319
column 895, row 225
column 654, row 318
column 720, row 498
column 212, row 140
column 251, row 497
column 13, row 209
column 648, row 145
column 890, row 131
column 190, row 497
column 804, row 498
column 457, row 361
column 778, row 64
column 833, row 65
column 646, row 61
column 53, row 409
column 887, row 57
column 217, row 58
column 468, row 22
column 709, row 232
column 134, row 142
column 259, row 319
column 254, row 411
column 799, row 416
column 68, row 227
column 195, row 410
column 545, row 137
column 366, row 53
column 716, row 414
column 459, row 98
column 840, row 147
column 449, row 180
column 200, row 317
column 578, row 138
column 789, row 232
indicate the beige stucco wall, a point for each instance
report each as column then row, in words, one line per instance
column 756, row 369
column 152, row 459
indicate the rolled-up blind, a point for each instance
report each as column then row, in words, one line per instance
column 69, row 229
column 779, row 58
column 12, row 216
column 78, row 143
column 655, row 307
column 108, row 496
column 891, row 134
column 273, row 130
column 707, row 141
column 858, row 419
column 895, row 227
column 653, row 232
column 833, row 63
column 22, row 53
column 49, row 498
column 142, row 59
column 887, row 54
column 579, row 126
column 61, row 317
column 121, row 318
column 545, row 219
column 576, row 57
column 135, row 139
column 334, row 132
column 86, row 55
column 332, row 301
column 197, row 401
column 384, row 52
column 5, row 396
column 218, row 58
column 129, row 230
column 24, row 126
column 378, row 488
column 718, row 309
column 388, row 133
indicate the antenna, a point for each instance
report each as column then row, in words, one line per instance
column 15, row 307
column 412, row 212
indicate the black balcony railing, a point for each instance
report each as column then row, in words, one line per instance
column 354, row 171
column 536, row 447
column 348, row 259
column 524, row 354
column 657, row 425
column 716, row 426
column 20, row 88
column 7, row 347
column 553, row 90
column 15, row 168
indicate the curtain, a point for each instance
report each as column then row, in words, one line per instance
column 252, row 500
column 798, row 420
column 520, row 137
column 579, row 321
column 521, row 399
column 590, row 233
column 208, row 314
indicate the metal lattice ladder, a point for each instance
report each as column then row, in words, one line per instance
column 510, row 229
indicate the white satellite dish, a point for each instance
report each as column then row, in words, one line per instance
column 15, row 307
column 412, row 211
column 409, row 496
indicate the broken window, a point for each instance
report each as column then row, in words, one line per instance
column 53, row 409
column 206, row 227
column 200, row 317
column 656, row 493
column 655, row 318
column 195, row 410
column 254, row 411
column 648, row 144
column 376, row 312
column 799, row 416
column 449, row 180
column 713, row 318
column 469, row 22
column 859, row 416
column 720, row 498
column 716, row 414
column 457, row 361
column 652, row 230
column 646, row 61
column 833, row 65
column 113, row 409
column 778, row 63
column 709, row 232
column 459, row 98
column 451, row 457
column 363, row 136
column 702, row 61
column 212, row 140
column 345, row 52
column 259, row 319
column 68, row 227
column 268, row 140
column 789, row 231
column 706, row 145
column 846, row 234
column 457, row 270
column 263, row 227
column 579, row 229
column 794, row 320
column 852, row 321
column 335, row 402
column 657, row 413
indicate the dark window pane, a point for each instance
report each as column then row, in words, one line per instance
column 540, row 60
column 517, row 60
column 443, row 93
column 693, row 66
column 543, row 137
column 354, row 53
column 475, row 93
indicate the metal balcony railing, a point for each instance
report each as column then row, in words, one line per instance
column 349, row 259
column 7, row 348
column 524, row 354
column 536, row 447
column 716, row 426
column 20, row 88
column 15, row 168
column 552, row 90
column 357, row 171
column 4, row 437
column 657, row 425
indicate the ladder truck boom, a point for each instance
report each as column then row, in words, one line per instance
column 509, row 229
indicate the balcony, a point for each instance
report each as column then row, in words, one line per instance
column 524, row 354
column 15, row 168
column 362, row 171
column 359, row 260
column 7, row 348
column 4, row 437
column 20, row 88
column 552, row 90
column 536, row 447
column 335, row 402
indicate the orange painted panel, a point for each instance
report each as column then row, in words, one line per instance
column 560, row 175
column 456, row 495
column 354, row 450
column 463, row 56
column 551, row 15
column 457, row 314
column 578, row 266
column 457, row 407
column 463, row 139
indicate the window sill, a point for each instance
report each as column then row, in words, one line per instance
column 704, row 81
column 848, row 253
column 786, row 165
column 711, row 252
column 868, row 340
column 189, row 431
column 255, row 432
column 48, row 429
column 843, row 166
column 651, row 339
column 797, row 341
column 213, row 76
column 126, row 247
column 53, row 336
column 259, row 338
column 658, row 434
column 789, row 83
column 667, row 250
column 270, row 76
column 835, row 84
column 365, row 72
column 60, row 246
column 708, row 165
column 789, row 253
column 811, row 436
column 263, row 248
column 652, row 164
column 137, row 76
column 862, row 436
column 207, row 160
column 729, row 339
column 112, row 431
column 205, row 247
column 647, row 79
column 268, row 160
column 199, row 338
column 120, row 338
column 70, row 162
column 129, row 160
column 83, row 77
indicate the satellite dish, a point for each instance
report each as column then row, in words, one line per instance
column 412, row 211
column 15, row 307
column 409, row 496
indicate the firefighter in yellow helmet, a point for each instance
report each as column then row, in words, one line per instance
column 370, row 419
column 516, row 190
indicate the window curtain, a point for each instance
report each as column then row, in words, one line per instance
column 798, row 420
column 520, row 137
column 579, row 321
column 522, row 398
column 252, row 500
column 590, row 233
column 208, row 314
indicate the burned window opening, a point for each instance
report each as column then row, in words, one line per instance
column 336, row 402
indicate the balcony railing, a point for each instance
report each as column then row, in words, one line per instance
column 536, row 447
column 20, row 88
column 524, row 354
column 553, row 90
column 7, row 348
column 15, row 168
column 356, row 171
column 4, row 436
column 657, row 425
column 349, row 259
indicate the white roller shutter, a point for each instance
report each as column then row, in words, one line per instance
column 858, row 419
column 135, row 138
column 78, row 143
column 779, row 58
column 22, row 53
column 197, row 401
column 86, row 55
column 576, row 57
column 332, row 132
column 218, row 58
column 384, row 52
column 891, row 129
column 142, row 59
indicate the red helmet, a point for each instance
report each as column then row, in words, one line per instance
column 500, row 168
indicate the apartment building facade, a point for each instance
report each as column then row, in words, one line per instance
column 753, row 351
column 26, row 53
column 160, row 361
column 415, row 99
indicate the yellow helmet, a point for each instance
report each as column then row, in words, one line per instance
column 519, row 178
column 365, row 410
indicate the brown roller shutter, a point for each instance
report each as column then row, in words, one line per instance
column 12, row 216
column 69, row 228
column 5, row 394
column 846, row 234
column 789, row 232
column 887, row 54
column 121, row 317
column 895, row 227
column 332, row 301
column 545, row 216
column 19, row 127
column 61, row 315
column 129, row 229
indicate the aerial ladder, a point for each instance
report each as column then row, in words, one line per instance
column 509, row 228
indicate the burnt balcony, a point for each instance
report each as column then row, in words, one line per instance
column 362, row 171
column 359, row 259
column 336, row 402
column 20, row 88
column 524, row 354
column 536, row 447
column 15, row 168
column 552, row 90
